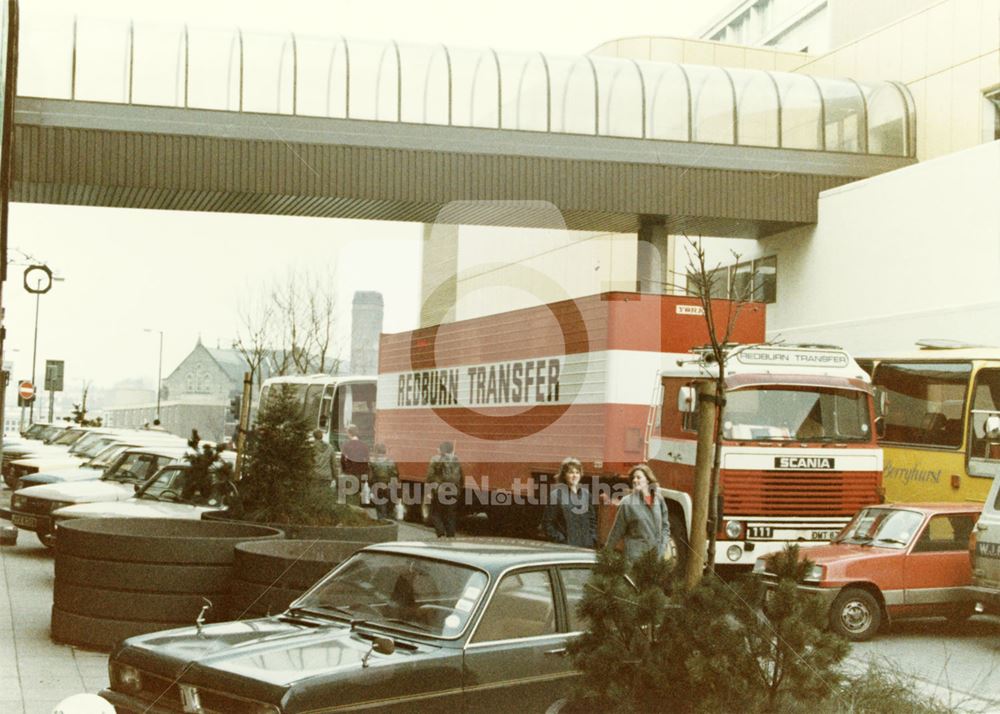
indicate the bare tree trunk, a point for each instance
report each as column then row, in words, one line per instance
column 702, row 483
column 719, row 403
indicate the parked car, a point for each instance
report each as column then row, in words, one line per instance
column 56, row 441
column 985, row 550
column 93, row 468
column 893, row 561
column 441, row 626
column 162, row 496
column 32, row 507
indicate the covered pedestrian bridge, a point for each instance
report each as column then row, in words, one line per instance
column 132, row 116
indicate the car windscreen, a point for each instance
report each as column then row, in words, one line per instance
column 883, row 527
column 398, row 592
column 66, row 437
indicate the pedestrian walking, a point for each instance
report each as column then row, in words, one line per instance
column 445, row 479
column 569, row 516
column 324, row 460
column 642, row 520
column 383, row 477
column 353, row 465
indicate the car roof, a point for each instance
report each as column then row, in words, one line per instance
column 158, row 450
column 940, row 507
column 491, row 554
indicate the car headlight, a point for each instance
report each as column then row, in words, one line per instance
column 815, row 573
column 59, row 504
column 760, row 566
column 734, row 529
column 124, row 678
column 18, row 502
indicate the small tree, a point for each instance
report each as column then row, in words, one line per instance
column 277, row 484
column 658, row 646
column 704, row 282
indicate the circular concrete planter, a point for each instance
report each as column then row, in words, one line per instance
column 119, row 577
column 377, row 532
column 269, row 575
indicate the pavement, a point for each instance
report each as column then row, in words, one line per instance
column 36, row 674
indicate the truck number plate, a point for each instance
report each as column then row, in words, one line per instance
column 760, row 532
column 24, row 521
column 824, row 535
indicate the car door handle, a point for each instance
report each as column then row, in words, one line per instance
column 558, row 652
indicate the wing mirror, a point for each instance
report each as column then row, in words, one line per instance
column 993, row 427
column 687, row 400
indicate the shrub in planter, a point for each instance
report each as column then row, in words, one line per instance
column 277, row 484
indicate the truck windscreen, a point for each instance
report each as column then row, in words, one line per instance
column 802, row 415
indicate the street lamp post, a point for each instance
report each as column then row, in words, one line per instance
column 159, row 372
column 43, row 283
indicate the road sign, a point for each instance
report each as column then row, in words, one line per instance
column 54, row 375
column 26, row 390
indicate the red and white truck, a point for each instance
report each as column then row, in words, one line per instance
column 608, row 379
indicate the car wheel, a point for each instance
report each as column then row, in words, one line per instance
column 855, row 614
column 47, row 539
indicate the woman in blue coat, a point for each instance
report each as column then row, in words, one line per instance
column 569, row 516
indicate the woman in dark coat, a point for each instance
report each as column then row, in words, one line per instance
column 642, row 520
column 570, row 517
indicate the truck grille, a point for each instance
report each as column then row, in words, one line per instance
column 799, row 493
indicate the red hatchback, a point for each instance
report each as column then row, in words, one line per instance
column 894, row 561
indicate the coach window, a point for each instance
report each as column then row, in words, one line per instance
column 924, row 402
column 984, row 425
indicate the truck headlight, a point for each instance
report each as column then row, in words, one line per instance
column 734, row 529
column 815, row 573
column 124, row 678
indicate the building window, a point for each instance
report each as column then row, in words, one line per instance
column 751, row 280
column 992, row 119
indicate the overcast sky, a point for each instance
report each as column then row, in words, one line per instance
column 186, row 273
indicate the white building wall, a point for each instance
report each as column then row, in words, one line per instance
column 907, row 255
column 503, row 269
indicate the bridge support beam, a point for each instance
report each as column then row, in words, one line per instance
column 655, row 271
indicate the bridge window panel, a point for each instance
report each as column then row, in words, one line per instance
column 984, row 424
column 621, row 97
column 844, row 112
column 322, row 80
column 711, row 105
column 102, row 60
column 756, row 108
column 366, row 93
column 213, row 70
column 267, row 73
column 924, row 402
column 525, row 84
column 574, row 95
column 667, row 101
column 45, row 57
column 801, row 111
column 475, row 88
column 886, row 119
column 426, row 80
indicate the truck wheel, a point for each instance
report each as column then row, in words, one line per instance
column 678, row 536
column 855, row 614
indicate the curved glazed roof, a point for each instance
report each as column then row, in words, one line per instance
column 388, row 81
